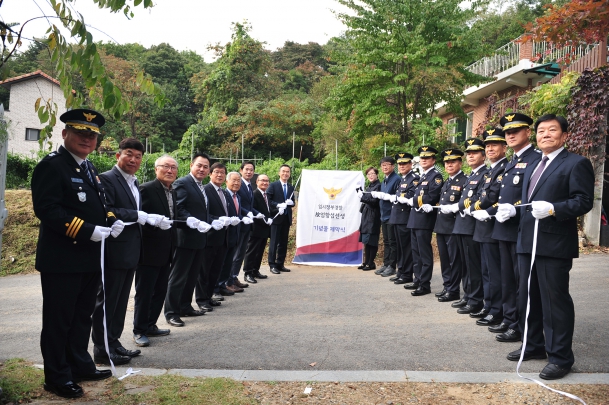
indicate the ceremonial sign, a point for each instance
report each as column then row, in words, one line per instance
column 328, row 218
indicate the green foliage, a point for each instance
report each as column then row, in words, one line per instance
column 549, row 98
column 19, row 381
column 18, row 171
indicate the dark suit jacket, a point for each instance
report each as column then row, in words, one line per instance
column 216, row 210
column 260, row 228
column 69, row 207
column 388, row 185
column 247, row 200
column 124, row 251
column 426, row 192
column 158, row 245
column 451, row 193
column 275, row 192
column 190, row 202
column 567, row 183
column 371, row 211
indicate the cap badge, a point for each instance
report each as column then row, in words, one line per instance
column 490, row 131
column 510, row 117
column 89, row 117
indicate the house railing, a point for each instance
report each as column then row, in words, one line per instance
column 504, row 58
column 545, row 52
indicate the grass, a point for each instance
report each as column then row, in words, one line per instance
column 20, row 381
column 20, row 234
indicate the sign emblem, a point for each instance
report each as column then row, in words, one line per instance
column 82, row 196
column 332, row 192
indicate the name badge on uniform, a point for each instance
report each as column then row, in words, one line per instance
column 456, row 188
column 82, row 196
column 516, row 180
column 76, row 180
column 522, row 165
column 474, row 182
column 424, row 183
column 470, row 193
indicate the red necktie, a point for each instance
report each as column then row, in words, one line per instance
column 236, row 203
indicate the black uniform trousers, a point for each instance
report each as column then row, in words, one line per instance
column 509, row 283
column 450, row 261
column 253, row 254
column 225, row 278
column 472, row 270
column 68, row 301
column 239, row 256
column 491, row 278
column 117, row 283
column 213, row 261
column 390, row 244
column 422, row 255
column 552, row 312
column 404, row 251
column 150, row 291
column 279, row 244
column 185, row 268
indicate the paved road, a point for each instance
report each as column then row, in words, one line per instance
column 338, row 318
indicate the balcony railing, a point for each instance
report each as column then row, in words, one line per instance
column 504, row 58
column 545, row 52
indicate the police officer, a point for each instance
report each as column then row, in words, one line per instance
column 69, row 200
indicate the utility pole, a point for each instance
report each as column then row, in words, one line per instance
column 293, row 144
column 3, row 159
column 242, row 148
column 336, row 140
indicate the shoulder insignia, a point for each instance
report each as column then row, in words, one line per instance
column 415, row 182
column 438, row 180
column 111, row 215
column 499, row 179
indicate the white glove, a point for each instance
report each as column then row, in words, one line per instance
column 409, row 201
column 468, row 210
column 260, row 215
column 247, row 220
column 360, row 194
column 141, row 217
column 234, row 221
column 502, row 216
column 375, row 194
column 192, row 222
column 217, row 224
column 386, row 196
column 100, row 232
column 117, row 228
column 393, row 198
column 250, row 215
column 507, row 209
column 481, row 215
column 165, row 223
column 281, row 211
column 225, row 221
column 426, row 208
column 542, row 209
column 154, row 219
column 289, row 201
column 203, row 227
column 449, row 209
column 269, row 221
column 402, row 200
column 282, row 205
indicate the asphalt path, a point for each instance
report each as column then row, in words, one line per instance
column 330, row 318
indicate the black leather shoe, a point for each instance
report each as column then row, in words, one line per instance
column 259, row 275
column 68, row 390
column 194, row 312
column 96, row 376
column 206, row 307
column 380, row 270
column 361, row 266
column 411, row 286
column 369, row 267
column 141, row 340
column 154, row 331
column 510, row 335
column 121, row 351
column 479, row 314
column 250, row 279
column 502, row 327
column 226, row 292
column 488, row 320
column 214, row 303
column 285, row 269
column 553, row 372
column 117, row 359
column 468, row 309
column 448, row 297
column 275, row 270
column 515, row 355
column 389, row 272
column 420, row 291
column 394, row 278
column 459, row 304
column 175, row 321
column 441, row 293
column 402, row 281
column 217, row 297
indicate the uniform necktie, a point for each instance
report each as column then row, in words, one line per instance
column 85, row 168
column 285, row 192
column 236, row 203
column 221, row 194
column 535, row 177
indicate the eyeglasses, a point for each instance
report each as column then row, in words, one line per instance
column 168, row 167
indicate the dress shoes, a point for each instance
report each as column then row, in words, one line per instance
column 489, row 320
column 380, row 270
column 402, row 281
column 175, row 321
column 441, row 293
column 67, row 390
column 479, row 314
column 459, row 304
column 259, row 275
column 502, row 327
column 449, row 297
column 217, row 297
column 361, row 266
column 389, row 272
column 369, row 267
column 394, row 278
column 121, row 351
column 515, row 355
column 250, row 279
column 154, row 331
column 95, row 376
column 141, row 340
column 235, row 288
column 240, row 284
column 285, row 269
column 206, row 307
column 468, row 309
column 553, row 372
column 275, row 270
column 509, row 335
column 194, row 312
column 214, row 303
column 411, row 286
column 117, row 359
column 226, row 292
column 420, row 291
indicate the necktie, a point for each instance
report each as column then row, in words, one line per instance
column 236, row 203
column 266, row 201
column 535, row 177
column 200, row 185
column 249, row 190
column 85, row 168
column 285, row 192
column 221, row 194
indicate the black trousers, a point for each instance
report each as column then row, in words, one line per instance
column 213, row 261
column 390, row 244
column 509, row 283
column 552, row 314
column 185, row 268
column 115, row 291
column 450, row 261
column 404, row 251
column 422, row 255
column 150, row 292
column 491, row 278
column 224, row 278
column 239, row 256
column 279, row 244
column 253, row 254
column 472, row 270
column 68, row 300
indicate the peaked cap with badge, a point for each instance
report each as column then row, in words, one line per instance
column 427, row 152
column 83, row 119
column 493, row 135
column 474, row 145
column 403, row 157
column 515, row 120
column 452, row 154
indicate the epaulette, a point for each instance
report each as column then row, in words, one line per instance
column 50, row 156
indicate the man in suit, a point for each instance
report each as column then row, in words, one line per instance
column 69, row 201
column 281, row 193
column 517, row 134
column 448, row 244
column 560, row 189
column 422, row 221
column 191, row 204
column 152, row 274
column 261, row 230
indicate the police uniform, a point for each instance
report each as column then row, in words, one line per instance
column 399, row 218
column 69, row 201
column 421, row 224
column 448, row 246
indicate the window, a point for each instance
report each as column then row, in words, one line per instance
column 461, row 129
column 32, row 134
